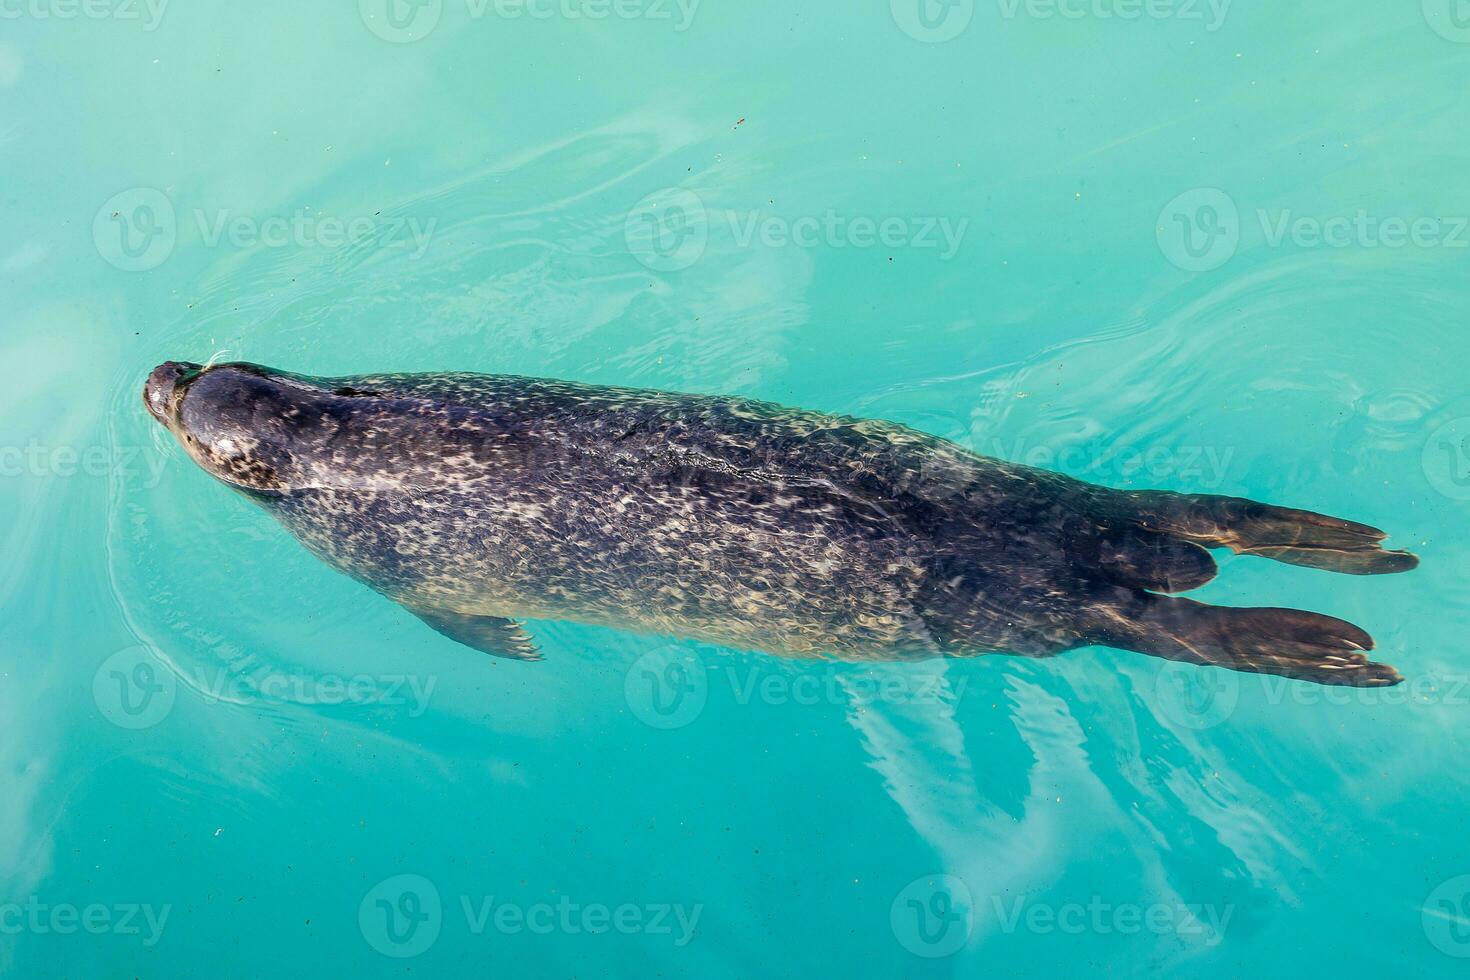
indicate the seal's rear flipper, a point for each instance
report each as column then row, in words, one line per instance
column 490, row 634
column 1297, row 537
column 1293, row 643
column 1159, row 562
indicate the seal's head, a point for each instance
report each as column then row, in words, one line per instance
column 269, row 433
column 249, row 426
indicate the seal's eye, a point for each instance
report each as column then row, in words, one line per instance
column 349, row 392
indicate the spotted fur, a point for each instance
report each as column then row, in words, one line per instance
column 733, row 521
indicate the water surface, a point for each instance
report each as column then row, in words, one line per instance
column 1207, row 248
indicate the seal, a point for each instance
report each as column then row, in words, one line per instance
column 476, row 501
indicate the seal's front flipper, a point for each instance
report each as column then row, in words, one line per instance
column 1297, row 537
column 491, row 634
column 1305, row 646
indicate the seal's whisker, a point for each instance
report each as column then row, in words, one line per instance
column 215, row 357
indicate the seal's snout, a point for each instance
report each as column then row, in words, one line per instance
column 158, row 393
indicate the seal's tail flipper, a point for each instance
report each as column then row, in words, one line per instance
column 1293, row 643
column 1297, row 537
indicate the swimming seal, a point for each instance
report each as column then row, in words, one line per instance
column 478, row 500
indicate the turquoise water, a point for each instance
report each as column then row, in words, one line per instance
column 1208, row 248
